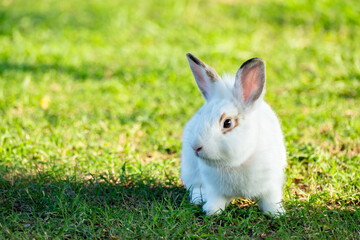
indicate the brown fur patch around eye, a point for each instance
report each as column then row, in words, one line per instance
column 236, row 123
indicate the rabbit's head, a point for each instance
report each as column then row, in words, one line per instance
column 225, row 132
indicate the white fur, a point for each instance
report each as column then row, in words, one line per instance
column 248, row 161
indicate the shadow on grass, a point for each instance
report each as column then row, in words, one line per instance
column 33, row 194
column 137, row 206
column 71, row 207
column 43, row 191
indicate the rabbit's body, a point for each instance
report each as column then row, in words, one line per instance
column 247, row 159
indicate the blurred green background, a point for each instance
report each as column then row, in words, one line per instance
column 96, row 89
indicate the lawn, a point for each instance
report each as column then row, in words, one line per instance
column 94, row 96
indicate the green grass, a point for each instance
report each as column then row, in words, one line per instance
column 94, row 96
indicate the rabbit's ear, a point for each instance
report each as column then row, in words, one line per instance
column 204, row 75
column 250, row 81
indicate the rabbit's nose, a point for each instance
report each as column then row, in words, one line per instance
column 197, row 149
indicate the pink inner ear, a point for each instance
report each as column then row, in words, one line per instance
column 250, row 81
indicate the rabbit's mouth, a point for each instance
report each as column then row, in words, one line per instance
column 213, row 162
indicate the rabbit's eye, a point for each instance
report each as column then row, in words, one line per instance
column 227, row 123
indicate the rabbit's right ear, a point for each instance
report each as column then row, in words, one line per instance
column 204, row 75
column 250, row 81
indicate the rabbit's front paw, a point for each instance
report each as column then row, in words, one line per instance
column 215, row 206
column 275, row 211
column 272, row 206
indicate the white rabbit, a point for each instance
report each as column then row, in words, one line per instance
column 233, row 146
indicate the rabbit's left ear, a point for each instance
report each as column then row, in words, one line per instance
column 205, row 76
column 250, row 81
